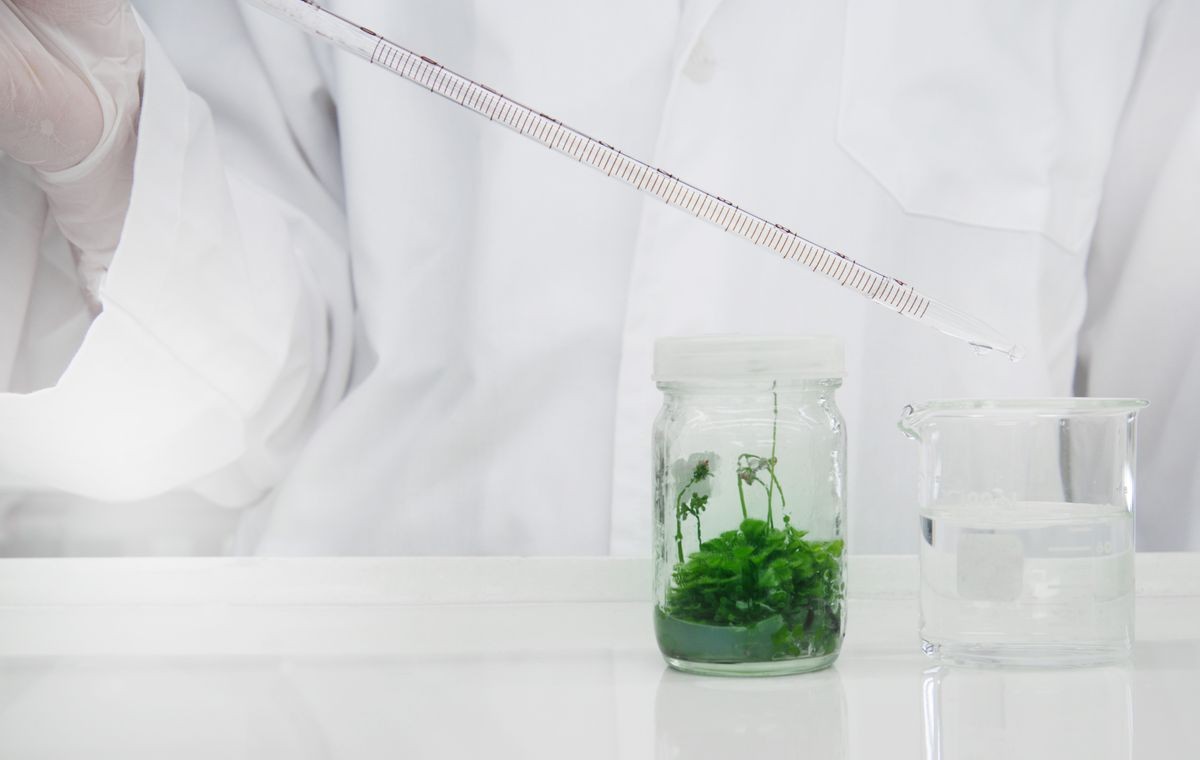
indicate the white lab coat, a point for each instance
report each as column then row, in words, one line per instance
column 348, row 317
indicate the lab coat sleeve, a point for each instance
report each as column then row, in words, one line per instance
column 207, row 366
column 1141, row 337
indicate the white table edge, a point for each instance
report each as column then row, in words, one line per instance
column 434, row 580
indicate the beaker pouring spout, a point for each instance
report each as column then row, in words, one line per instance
column 910, row 421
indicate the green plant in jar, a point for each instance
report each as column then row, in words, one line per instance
column 758, row 593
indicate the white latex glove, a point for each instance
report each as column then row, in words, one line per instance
column 70, row 75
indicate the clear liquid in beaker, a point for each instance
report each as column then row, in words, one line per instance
column 1031, row 583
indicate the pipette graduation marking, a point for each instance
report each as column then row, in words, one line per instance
column 888, row 291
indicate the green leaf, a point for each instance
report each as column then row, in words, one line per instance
column 757, row 573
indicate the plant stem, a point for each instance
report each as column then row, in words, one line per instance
column 770, row 514
column 678, row 538
column 679, row 521
column 742, row 497
column 771, row 461
column 775, row 480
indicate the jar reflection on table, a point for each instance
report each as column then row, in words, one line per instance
column 762, row 718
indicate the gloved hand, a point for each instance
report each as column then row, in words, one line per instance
column 70, row 74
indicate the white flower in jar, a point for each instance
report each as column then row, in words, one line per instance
column 695, row 474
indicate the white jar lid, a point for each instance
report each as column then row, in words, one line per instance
column 741, row 357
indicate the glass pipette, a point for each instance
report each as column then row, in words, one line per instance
column 425, row 72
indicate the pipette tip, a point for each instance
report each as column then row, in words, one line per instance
column 1014, row 352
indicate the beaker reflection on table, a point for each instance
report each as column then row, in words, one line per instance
column 788, row 717
column 1028, row 714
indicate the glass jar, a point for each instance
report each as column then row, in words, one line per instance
column 749, row 504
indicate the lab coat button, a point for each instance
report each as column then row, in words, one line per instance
column 701, row 64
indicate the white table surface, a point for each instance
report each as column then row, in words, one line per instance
column 506, row 658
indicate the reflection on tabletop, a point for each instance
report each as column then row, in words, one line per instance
column 1029, row 714
column 750, row 718
column 552, row 680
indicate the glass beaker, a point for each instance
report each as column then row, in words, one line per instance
column 1026, row 518
column 749, row 504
